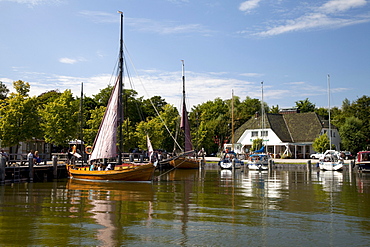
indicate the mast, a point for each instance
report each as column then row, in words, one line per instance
column 82, row 122
column 262, row 114
column 184, row 118
column 329, row 111
column 120, row 98
column 232, row 119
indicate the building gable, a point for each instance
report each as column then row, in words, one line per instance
column 294, row 127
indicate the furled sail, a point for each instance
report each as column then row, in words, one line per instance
column 184, row 125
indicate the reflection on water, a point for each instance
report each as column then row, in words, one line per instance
column 192, row 207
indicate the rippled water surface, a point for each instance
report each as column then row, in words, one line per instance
column 192, row 208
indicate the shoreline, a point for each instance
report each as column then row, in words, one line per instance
column 281, row 161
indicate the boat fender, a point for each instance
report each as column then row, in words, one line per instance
column 88, row 149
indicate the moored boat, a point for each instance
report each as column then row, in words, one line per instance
column 230, row 161
column 363, row 161
column 259, row 161
column 105, row 144
column 331, row 161
column 189, row 159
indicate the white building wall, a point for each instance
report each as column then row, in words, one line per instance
column 270, row 140
column 335, row 138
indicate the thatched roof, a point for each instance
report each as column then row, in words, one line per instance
column 295, row 127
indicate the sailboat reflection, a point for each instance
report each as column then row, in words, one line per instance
column 331, row 180
column 110, row 205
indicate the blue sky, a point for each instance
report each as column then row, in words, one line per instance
column 290, row 45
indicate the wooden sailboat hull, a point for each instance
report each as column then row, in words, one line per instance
column 129, row 173
column 185, row 163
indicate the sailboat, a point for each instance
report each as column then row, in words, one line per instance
column 105, row 144
column 260, row 160
column 331, row 160
column 230, row 160
column 189, row 158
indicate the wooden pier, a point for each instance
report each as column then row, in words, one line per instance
column 29, row 172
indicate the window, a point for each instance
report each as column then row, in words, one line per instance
column 254, row 133
column 264, row 133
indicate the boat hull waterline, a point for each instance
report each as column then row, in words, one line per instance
column 185, row 163
column 132, row 173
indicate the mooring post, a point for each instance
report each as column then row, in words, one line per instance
column 30, row 168
column 270, row 163
column 308, row 166
column 350, row 166
column 2, row 170
column 55, row 166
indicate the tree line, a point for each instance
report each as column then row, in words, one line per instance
column 59, row 117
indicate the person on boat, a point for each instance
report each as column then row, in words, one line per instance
column 154, row 157
column 109, row 167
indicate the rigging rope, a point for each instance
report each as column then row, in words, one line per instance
column 151, row 102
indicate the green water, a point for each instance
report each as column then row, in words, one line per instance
column 191, row 208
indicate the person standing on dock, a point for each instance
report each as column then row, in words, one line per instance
column 5, row 155
column 30, row 154
column 36, row 158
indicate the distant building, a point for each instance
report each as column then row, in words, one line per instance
column 289, row 133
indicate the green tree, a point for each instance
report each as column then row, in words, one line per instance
column 353, row 138
column 19, row 120
column 60, row 119
column 257, row 144
column 103, row 96
column 155, row 128
column 275, row 109
column 92, row 124
column 22, row 88
column 305, row 106
column 247, row 109
column 321, row 143
column 210, row 123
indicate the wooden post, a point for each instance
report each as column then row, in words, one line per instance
column 308, row 166
column 270, row 163
column 30, row 168
column 55, row 166
column 2, row 170
column 350, row 166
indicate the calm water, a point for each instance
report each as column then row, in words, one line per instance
column 192, row 208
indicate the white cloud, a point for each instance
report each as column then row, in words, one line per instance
column 33, row 2
column 165, row 27
column 249, row 5
column 334, row 6
column 251, row 74
column 100, row 16
column 67, row 60
column 71, row 60
column 147, row 25
column 325, row 16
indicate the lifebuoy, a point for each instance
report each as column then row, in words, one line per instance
column 88, row 149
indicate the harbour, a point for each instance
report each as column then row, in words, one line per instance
column 206, row 207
